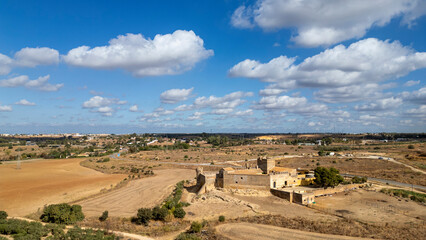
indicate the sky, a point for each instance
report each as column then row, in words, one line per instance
column 212, row 66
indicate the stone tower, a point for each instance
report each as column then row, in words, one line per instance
column 266, row 164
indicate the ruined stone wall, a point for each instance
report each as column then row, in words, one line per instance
column 288, row 195
column 246, row 181
column 340, row 188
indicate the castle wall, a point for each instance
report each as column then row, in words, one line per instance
column 246, row 181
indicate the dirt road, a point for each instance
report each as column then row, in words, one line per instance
column 37, row 183
column 259, row 231
column 146, row 192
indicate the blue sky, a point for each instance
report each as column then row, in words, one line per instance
column 213, row 66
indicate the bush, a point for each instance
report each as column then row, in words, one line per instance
column 179, row 213
column 104, row 216
column 410, row 146
column 159, row 213
column 144, row 216
column 359, row 179
column 221, row 218
column 195, row 227
column 62, row 214
column 187, row 236
column 3, row 215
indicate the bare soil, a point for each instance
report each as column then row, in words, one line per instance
column 145, row 192
column 38, row 183
column 260, row 231
column 372, row 207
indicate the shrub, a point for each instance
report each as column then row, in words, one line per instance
column 144, row 216
column 221, row 218
column 195, row 227
column 62, row 214
column 179, row 213
column 3, row 215
column 187, row 236
column 104, row 216
column 159, row 213
column 410, row 146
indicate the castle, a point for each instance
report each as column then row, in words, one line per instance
column 264, row 176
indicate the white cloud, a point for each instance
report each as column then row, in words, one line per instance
column 5, row 64
column 380, row 105
column 270, row 91
column 164, row 55
column 222, row 111
column 40, row 83
column 244, row 113
column 417, row 112
column 25, row 102
column 31, row 57
column 418, row 96
column 196, row 116
column 411, row 83
column 366, row 61
column 134, row 108
column 102, row 105
column 175, row 95
column 231, row 101
column 98, row 101
column 183, row 107
column 241, row 18
column 323, row 23
column 290, row 104
column 5, row 108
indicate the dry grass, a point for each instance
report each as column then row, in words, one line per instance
column 342, row 227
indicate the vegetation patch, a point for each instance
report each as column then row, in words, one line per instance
column 415, row 196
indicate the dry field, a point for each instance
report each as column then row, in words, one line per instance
column 145, row 192
column 263, row 232
column 43, row 182
column 372, row 207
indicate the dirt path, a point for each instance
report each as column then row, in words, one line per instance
column 259, row 231
column 146, row 192
column 41, row 182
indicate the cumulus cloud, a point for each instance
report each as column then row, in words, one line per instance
column 134, row 108
column 31, row 57
column 419, row 112
column 366, row 61
column 25, row 102
column 28, row 57
column 228, row 101
column 411, row 83
column 290, row 104
column 418, row 96
column 167, row 54
column 323, row 23
column 380, row 105
column 5, row 108
column 5, row 64
column 102, row 105
column 40, row 83
column 175, row 95
column 196, row 116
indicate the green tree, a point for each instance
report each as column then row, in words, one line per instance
column 195, row 227
column 159, row 213
column 144, row 216
column 325, row 177
column 62, row 214
column 3, row 215
column 179, row 212
column 104, row 216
